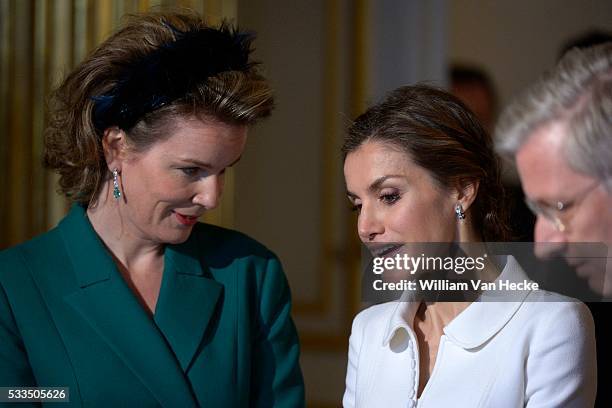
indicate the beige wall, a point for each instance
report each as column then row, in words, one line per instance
column 289, row 187
column 516, row 40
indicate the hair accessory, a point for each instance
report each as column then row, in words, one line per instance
column 116, row 191
column 170, row 72
column 459, row 212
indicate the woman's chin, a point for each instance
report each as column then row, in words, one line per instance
column 177, row 236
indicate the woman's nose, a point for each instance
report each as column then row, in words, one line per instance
column 209, row 191
column 369, row 226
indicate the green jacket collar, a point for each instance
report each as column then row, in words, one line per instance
column 185, row 308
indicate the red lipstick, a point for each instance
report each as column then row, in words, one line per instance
column 185, row 219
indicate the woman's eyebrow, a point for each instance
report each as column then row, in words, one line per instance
column 375, row 186
column 206, row 165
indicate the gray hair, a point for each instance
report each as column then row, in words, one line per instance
column 578, row 93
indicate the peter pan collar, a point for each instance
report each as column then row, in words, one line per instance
column 478, row 323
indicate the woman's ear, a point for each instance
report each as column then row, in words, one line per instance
column 466, row 193
column 114, row 144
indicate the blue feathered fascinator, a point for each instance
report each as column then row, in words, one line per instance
column 170, row 72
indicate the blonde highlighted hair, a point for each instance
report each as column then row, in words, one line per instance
column 73, row 144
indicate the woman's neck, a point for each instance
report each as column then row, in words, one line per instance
column 119, row 236
column 437, row 315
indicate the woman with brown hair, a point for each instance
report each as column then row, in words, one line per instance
column 130, row 301
column 419, row 168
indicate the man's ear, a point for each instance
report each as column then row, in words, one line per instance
column 466, row 192
column 114, row 144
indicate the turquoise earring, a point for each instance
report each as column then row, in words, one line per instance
column 116, row 191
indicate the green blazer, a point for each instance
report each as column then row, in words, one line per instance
column 221, row 336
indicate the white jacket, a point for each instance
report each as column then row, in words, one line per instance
column 528, row 353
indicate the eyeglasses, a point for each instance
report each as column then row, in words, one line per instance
column 557, row 213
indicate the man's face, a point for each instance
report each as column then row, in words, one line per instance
column 550, row 182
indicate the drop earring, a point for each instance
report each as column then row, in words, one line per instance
column 459, row 212
column 116, row 191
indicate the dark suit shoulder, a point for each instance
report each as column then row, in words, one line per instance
column 218, row 240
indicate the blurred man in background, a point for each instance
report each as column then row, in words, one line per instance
column 560, row 135
column 475, row 88
column 559, row 132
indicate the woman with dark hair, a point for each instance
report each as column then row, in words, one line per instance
column 130, row 301
column 419, row 168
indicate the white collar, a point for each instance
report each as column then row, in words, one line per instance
column 474, row 326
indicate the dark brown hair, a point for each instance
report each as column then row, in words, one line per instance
column 441, row 135
column 73, row 144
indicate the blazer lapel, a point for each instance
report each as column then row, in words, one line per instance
column 187, row 301
column 108, row 305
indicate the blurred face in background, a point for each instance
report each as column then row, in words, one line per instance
column 570, row 206
column 478, row 98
